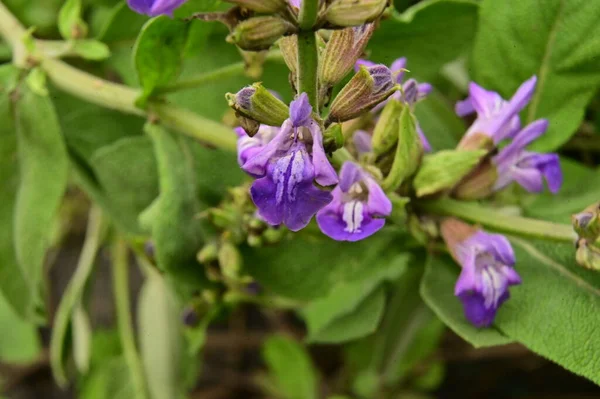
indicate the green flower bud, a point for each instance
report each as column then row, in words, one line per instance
column 385, row 135
column 261, row 6
column 587, row 255
column 343, row 49
column 587, row 223
column 354, row 12
column 230, row 260
column 259, row 33
column 208, row 253
column 367, row 88
column 257, row 103
column 289, row 50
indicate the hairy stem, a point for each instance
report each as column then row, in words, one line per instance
column 308, row 57
column 120, row 266
column 495, row 220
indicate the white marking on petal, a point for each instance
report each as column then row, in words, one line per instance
column 296, row 175
column 353, row 216
column 279, row 175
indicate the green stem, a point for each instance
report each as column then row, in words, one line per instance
column 308, row 14
column 495, row 220
column 120, row 266
column 308, row 62
column 213, row 76
column 5, row 52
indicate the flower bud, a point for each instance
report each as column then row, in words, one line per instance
column 257, row 103
column 342, row 51
column 289, row 50
column 587, row 223
column 367, row 88
column 385, row 135
column 587, row 255
column 208, row 253
column 259, row 33
column 354, row 12
column 261, row 6
column 476, row 141
column 478, row 184
column 230, row 260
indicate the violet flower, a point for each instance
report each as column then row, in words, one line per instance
column 286, row 167
column 487, row 262
column 155, row 8
column 248, row 146
column 528, row 169
column 358, row 209
column 412, row 91
column 496, row 117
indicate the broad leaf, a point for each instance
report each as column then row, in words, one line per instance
column 429, row 34
column 291, row 368
column 439, row 123
column 20, row 342
column 437, row 290
column 558, row 42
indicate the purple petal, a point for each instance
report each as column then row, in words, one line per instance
column 520, row 99
column 300, row 111
column 363, row 142
column 424, row 141
column 165, row 7
column 349, row 221
column 464, row 108
column 362, row 62
column 325, row 174
column 379, row 204
column 423, row 90
column 486, row 103
column 349, row 174
column 522, row 140
column 257, row 165
column 476, row 311
column 140, row 6
column 553, row 173
column 295, row 3
column 382, row 76
column 398, row 67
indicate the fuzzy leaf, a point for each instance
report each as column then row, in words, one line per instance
column 557, row 42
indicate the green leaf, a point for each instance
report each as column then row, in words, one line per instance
column 444, row 169
column 121, row 24
column 126, row 172
column 70, row 304
column 160, row 333
column 289, row 269
column 43, row 164
column 439, row 123
column 13, row 285
column 290, row 367
column 158, row 53
column 580, row 189
column 362, row 321
column 555, row 312
column 70, row 24
column 437, row 290
column 36, row 80
column 20, row 342
column 560, row 45
column 346, row 297
column 91, row 49
column 430, row 34
column 176, row 209
column 110, row 380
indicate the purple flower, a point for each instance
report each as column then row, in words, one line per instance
column 496, row 118
column 154, row 8
column 487, row 262
column 248, row 146
column 528, row 169
column 412, row 91
column 286, row 167
column 358, row 208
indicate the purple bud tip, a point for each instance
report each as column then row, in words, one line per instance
column 243, row 97
column 363, row 62
column 300, row 111
column 382, row 76
column 149, row 249
column 253, row 288
column 583, row 219
column 190, row 317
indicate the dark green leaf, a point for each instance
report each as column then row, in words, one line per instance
column 558, row 43
column 437, row 290
column 159, row 51
column 440, row 124
column 444, row 169
column 555, row 312
column 429, row 34
column 43, row 164
column 291, row 368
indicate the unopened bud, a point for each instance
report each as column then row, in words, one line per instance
column 343, row 49
column 367, row 88
column 254, row 241
column 454, row 231
column 261, row 6
column 257, row 103
column 333, row 138
column 478, row 184
column 385, row 135
column 259, row 33
column 354, row 12
column 476, row 141
column 230, row 260
column 587, row 255
column 289, row 50
column 250, row 126
column 208, row 253
column 587, row 223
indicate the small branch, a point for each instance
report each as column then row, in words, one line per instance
column 493, row 219
column 308, row 56
column 120, row 265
